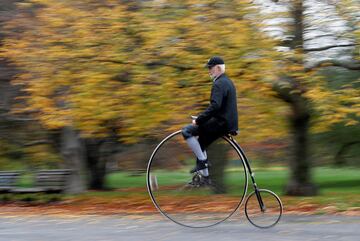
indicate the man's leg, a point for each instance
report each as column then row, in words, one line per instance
column 190, row 132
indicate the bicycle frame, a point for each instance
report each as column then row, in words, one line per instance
column 252, row 174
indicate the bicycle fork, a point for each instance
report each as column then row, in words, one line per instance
column 258, row 196
column 257, row 192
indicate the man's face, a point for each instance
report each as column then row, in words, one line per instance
column 214, row 71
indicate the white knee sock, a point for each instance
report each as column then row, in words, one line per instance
column 205, row 172
column 205, row 154
column 195, row 147
column 201, row 155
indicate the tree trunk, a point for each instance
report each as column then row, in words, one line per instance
column 300, row 183
column 217, row 154
column 96, row 164
column 72, row 150
column 300, row 180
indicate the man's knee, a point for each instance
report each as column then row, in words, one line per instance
column 187, row 131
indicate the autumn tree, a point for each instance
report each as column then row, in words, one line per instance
column 314, row 106
column 22, row 141
column 100, row 70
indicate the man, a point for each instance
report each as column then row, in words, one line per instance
column 219, row 118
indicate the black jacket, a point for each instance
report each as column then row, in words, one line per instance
column 223, row 105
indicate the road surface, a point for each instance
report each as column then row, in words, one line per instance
column 155, row 227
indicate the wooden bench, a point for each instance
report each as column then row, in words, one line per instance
column 48, row 181
column 8, row 180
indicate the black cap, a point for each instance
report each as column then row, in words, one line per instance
column 215, row 60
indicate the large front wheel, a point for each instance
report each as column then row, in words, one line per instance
column 184, row 198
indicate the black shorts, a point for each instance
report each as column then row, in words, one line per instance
column 208, row 132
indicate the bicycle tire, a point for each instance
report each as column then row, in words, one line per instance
column 267, row 218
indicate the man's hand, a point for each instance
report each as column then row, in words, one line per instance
column 193, row 117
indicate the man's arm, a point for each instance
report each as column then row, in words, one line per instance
column 214, row 107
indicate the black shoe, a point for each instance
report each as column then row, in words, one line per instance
column 200, row 165
column 200, row 181
column 205, row 181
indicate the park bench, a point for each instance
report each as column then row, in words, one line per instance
column 8, row 180
column 48, row 181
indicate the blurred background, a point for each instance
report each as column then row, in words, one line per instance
column 89, row 87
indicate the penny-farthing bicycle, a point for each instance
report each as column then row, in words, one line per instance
column 175, row 193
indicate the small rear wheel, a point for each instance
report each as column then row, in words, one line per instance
column 269, row 214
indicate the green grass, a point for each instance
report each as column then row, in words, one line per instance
column 125, row 180
column 339, row 188
column 329, row 180
column 339, row 180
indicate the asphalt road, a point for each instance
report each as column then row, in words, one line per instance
column 157, row 228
